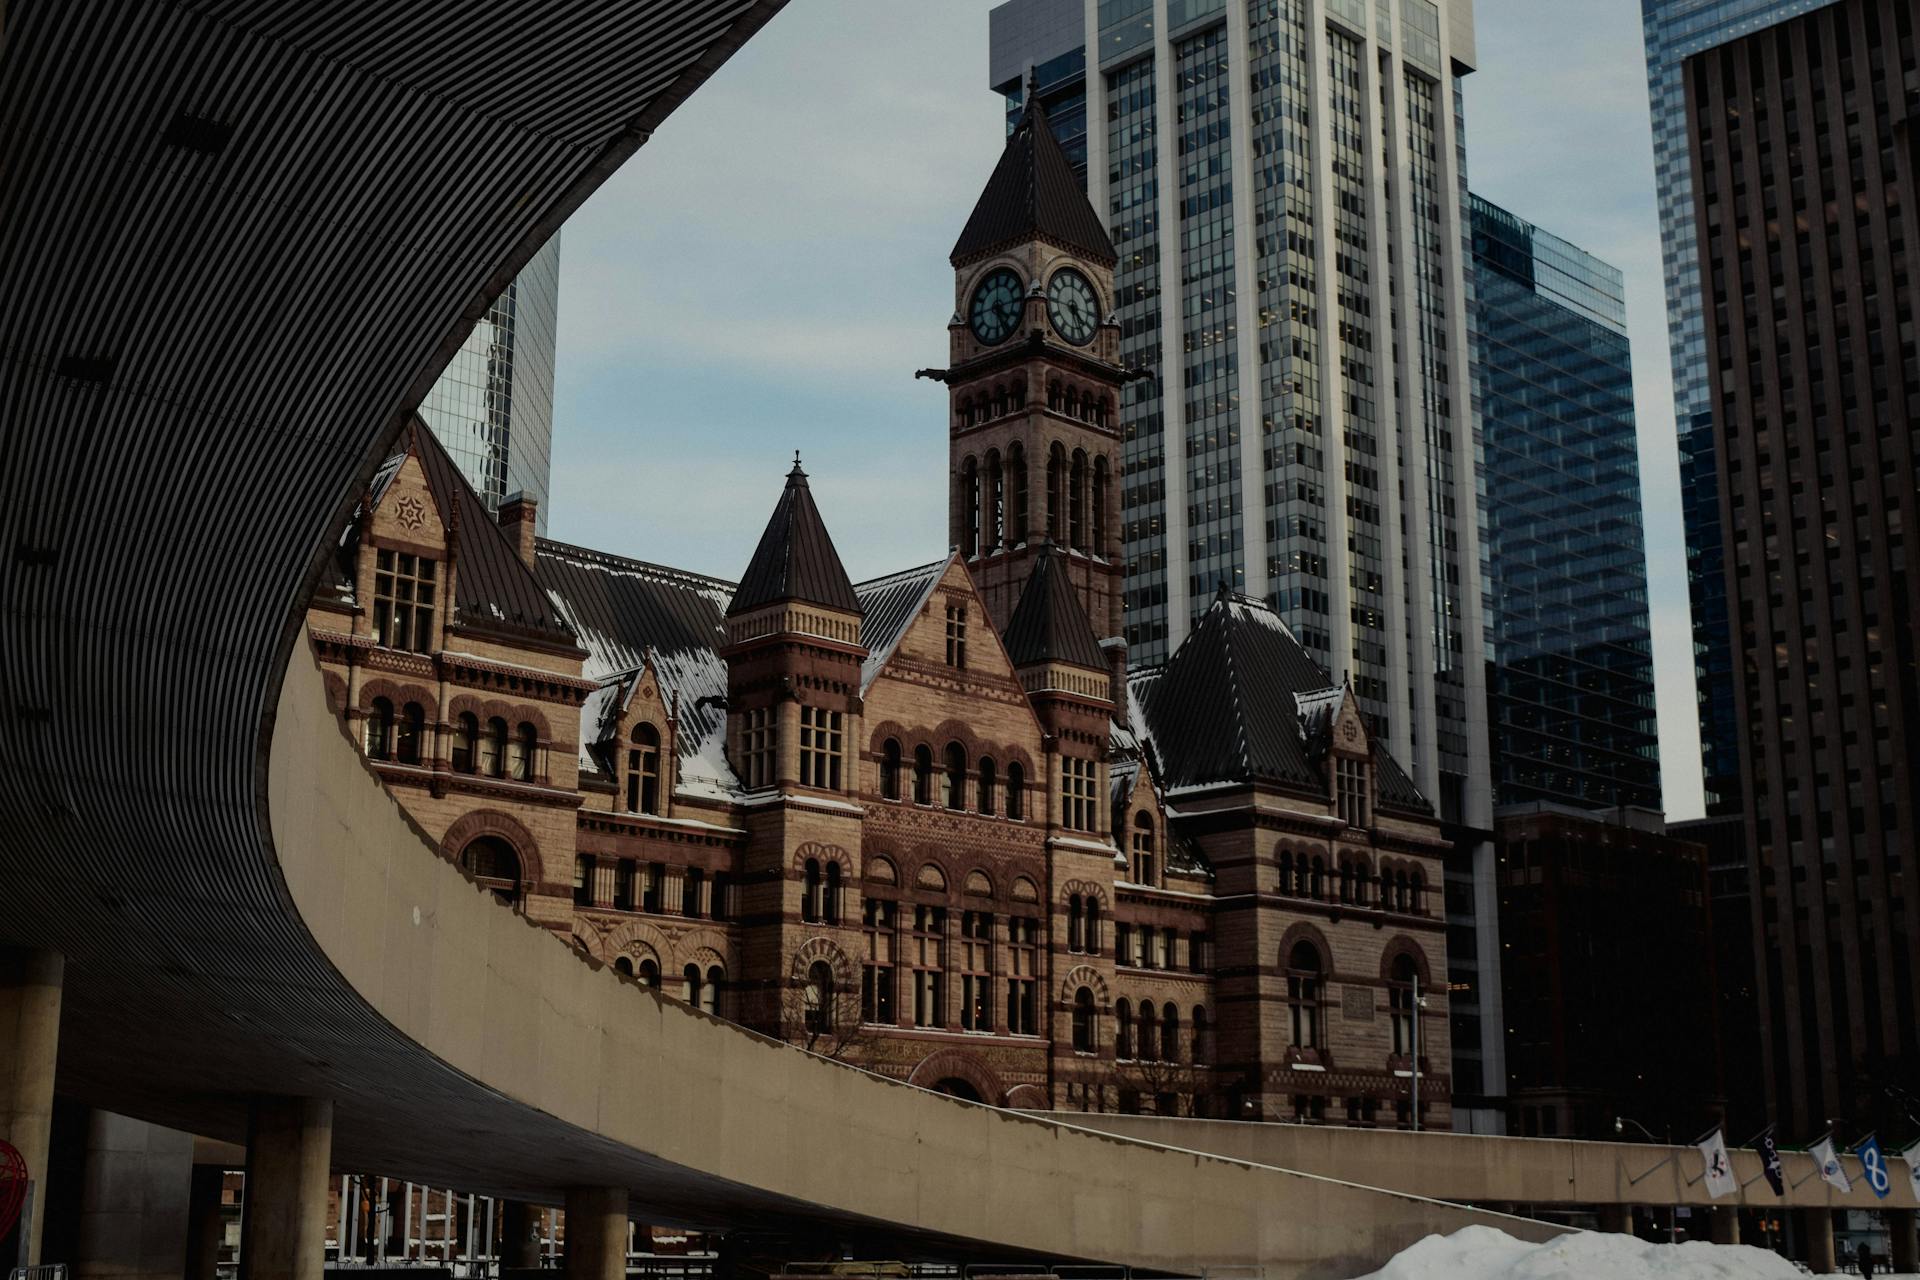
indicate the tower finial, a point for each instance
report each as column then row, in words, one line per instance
column 1033, row 86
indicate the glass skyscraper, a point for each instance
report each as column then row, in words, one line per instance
column 1675, row 30
column 1284, row 183
column 1569, row 651
column 493, row 405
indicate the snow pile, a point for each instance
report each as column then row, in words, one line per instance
column 1482, row 1253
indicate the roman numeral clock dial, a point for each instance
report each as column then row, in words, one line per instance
column 1073, row 306
column 995, row 309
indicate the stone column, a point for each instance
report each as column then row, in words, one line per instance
column 283, row 1232
column 596, row 1233
column 30, row 988
column 519, row 1235
column 206, row 1224
column 1817, row 1224
column 1903, row 1244
column 1725, row 1221
column 1617, row 1218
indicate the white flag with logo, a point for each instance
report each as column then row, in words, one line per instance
column 1719, row 1174
column 1913, row 1168
column 1830, row 1171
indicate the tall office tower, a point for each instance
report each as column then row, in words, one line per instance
column 1283, row 182
column 1806, row 206
column 1569, row 653
column 1675, row 30
column 493, row 406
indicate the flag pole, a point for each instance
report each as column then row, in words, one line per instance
column 1816, row 1164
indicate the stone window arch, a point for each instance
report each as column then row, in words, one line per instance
column 410, row 733
column 970, row 507
column 466, row 738
column 922, row 774
column 1122, row 1028
column 890, row 769
column 1016, row 792
column 523, row 751
column 495, row 864
column 1085, row 1028
column 986, row 788
column 380, row 729
column 643, row 770
column 955, row 795
column 1306, row 989
column 493, row 748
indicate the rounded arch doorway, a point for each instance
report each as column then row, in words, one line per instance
column 955, row 1087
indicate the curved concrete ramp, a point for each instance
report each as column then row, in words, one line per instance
column 239, row 239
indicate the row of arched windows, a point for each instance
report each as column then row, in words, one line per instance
column 488, row 749
column 1306, row 998
column 820, row 892
column 1083, row 923
column 993, row 496
column 1083, row 403
column 700, row 988
column 989, row 403
column 1353, row 883
column 1153, row 1035
column 988, row 794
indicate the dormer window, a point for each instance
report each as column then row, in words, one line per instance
column 1350, row 789
column 956, row 635
column 1143, row 850
column 403, row 590
column 643, row 771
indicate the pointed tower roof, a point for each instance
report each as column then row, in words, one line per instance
column 1033, row 194
column 796, row 559
column 1048, row 625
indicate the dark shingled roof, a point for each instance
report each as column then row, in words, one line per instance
column 887, row 606
column 1033, row 193
column 796, row 559
column 1048, row 625
column 1241, row 701
column 493, row 589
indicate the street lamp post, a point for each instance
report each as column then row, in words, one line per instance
column 1673, row 1210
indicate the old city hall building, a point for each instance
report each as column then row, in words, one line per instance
column 930, row 824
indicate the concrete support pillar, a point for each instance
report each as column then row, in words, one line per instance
column 30, row 988
column 1725, row 1223
column 596, row 1233
column 283, row 1234
column 1617, row 1218
column 519, row 1234
column 1902, row 1242
column 1817, row 1224
column 206, row 1224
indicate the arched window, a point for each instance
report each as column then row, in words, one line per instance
column 1077, row 502
column 411, row 729
column 650, row 973
column 717, row 906
column 1202, row 1036
column 1418, row 888
column 1317, row 886
column 1303, row 994
column 1016, row 792
column 1400, row 1000
column 1016, row 492
column 922, row 775
column 819, row 997
column 969, row 508
column 1400, row 890
column 996, row 529
column 694, row 995
column 466, row 736
column 1122, row 1029
column 890, row 770
column 830, row 906
column 1056, row 482
column 493, row 748
column 1149, row 1033
column 525, row 746
column 810, row 893
column 1346, row 881
column 710, row 993
column 1075, row 925
column 985, row 789
column 956, row 797
column 1093, row 925
column 1286, row 872
column 1143, row 852
column 643, row 771
column 1100, row 506
column 1083, row 1021
column 493, row 862
column 380, row 730
column 1170, row 1034
column 624, row 964
column 691, row 882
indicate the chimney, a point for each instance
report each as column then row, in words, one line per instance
column 517, row 518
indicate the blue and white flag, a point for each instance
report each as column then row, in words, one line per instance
column 1831, row 1171
column 1913, row 1168
column 1873, row 1167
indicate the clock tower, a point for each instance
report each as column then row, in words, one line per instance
column 1034, row 388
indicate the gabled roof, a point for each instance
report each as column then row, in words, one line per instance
column 630, row 614
column 1241, row 701
column 1033, row 194
column 493, row 587
column 1048, row 625
column 888, row 606
column 796, row 559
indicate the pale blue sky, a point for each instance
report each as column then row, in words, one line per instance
column 770, row 269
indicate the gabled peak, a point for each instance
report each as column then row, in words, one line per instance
column 795, row 560
column 1048, row 625
column 1033, row 195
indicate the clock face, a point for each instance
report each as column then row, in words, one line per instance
column 995, row 310
column 1073, row 306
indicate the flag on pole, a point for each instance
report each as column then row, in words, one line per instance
column 1719, row 1174
column 1770, row 1165
column 1831, row 1171
column 1873, row 1167
column 1913, row 1168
